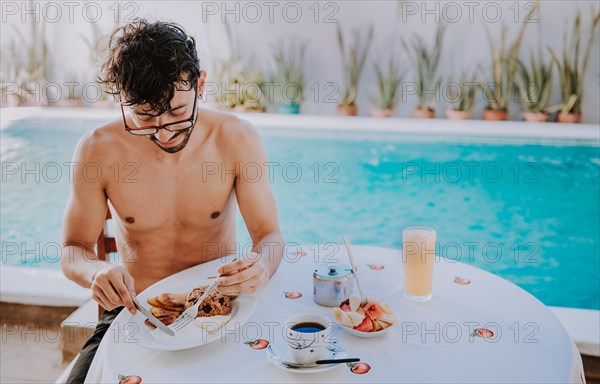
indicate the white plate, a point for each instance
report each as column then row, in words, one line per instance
column 192, row 335
column 277, row 351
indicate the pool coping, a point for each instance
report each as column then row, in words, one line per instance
column 514, row 132
column 35, row 286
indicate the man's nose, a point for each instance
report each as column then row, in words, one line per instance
column 163, row 135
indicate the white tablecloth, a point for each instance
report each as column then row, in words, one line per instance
column 431, row 343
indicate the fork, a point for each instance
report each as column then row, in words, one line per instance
column 190, row 314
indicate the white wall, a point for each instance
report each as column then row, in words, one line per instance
column 465, row 41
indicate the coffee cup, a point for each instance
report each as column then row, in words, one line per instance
column 307, row 337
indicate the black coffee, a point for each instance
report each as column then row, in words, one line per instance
column 308, row 327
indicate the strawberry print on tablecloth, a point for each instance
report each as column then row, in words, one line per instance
column 292, row 295
column 461, row 281
column 484, row 333
column 359, row 368
column 258, row 344
column 131, row 379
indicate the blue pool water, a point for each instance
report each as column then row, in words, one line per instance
column 528, row 213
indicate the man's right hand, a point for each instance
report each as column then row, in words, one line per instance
column 112, row 287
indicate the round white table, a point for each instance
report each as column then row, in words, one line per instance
column 433, row 342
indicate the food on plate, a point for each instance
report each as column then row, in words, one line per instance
column 169, row 301
column 166, row 320
column 373, row 316
column 169, row 306
column 216, row 304
column 161, row 312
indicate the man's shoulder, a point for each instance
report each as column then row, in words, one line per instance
column 231, row 129
column 102, row 139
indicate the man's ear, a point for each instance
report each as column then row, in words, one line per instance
column 201, row 82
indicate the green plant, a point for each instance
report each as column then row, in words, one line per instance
column 387, row 85
column 353, row 61
column 289, row 71
column 462, row 94
column 97, row 45
column 249, row 91
column 9, row 69
column 571, row 69
column 535, row 84
column 32, row 58
column 239, row 86
column 426, row 61
column 504, row 65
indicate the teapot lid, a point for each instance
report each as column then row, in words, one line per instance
column 333, row 271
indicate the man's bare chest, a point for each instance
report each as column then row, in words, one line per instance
column 186, row 196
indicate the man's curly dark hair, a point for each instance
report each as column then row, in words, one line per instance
column 147, row 62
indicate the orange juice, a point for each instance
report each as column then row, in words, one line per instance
column 418, row 254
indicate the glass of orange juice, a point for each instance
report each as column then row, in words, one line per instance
column 418, row 254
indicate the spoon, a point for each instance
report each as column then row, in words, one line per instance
column 319, row 362
column 363, row 299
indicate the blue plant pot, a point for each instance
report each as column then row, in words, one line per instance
column 290, row 109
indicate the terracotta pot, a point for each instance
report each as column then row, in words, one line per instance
column 32, row 100
column 256, row 110
column 494, row 115
column 9, row 101
column 428, row 113
column 241, row 108
column 536, row 117
column 570, row 118
column 453, row 114
column 382, row 112
column 346, row 110
column 68, row 103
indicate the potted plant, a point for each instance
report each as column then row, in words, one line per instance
column 535, row 85
column 289, row 75
column 385, row 101
column 353, row 61
column 251, row 91
column 97, row 44
column 70, row 93
column 462, row 96
column 9, row 82
column 32, row 74
column 504, row 67
column 572, row 69
column 426, row 61
column 240, row 87
column 247, row 83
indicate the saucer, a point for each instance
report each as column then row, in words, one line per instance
column 278, row 351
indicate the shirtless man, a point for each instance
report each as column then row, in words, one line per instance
column 171, row 174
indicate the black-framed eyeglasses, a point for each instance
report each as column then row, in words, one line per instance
column 171, row 127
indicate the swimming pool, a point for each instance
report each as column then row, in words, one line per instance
column 529, row 213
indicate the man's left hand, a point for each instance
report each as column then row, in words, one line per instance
column 242, row 276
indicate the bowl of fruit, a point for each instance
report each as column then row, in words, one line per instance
column 372, row 319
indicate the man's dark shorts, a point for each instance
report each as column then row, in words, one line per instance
column 82, row 365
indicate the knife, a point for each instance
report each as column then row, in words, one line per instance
column 151, row 317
